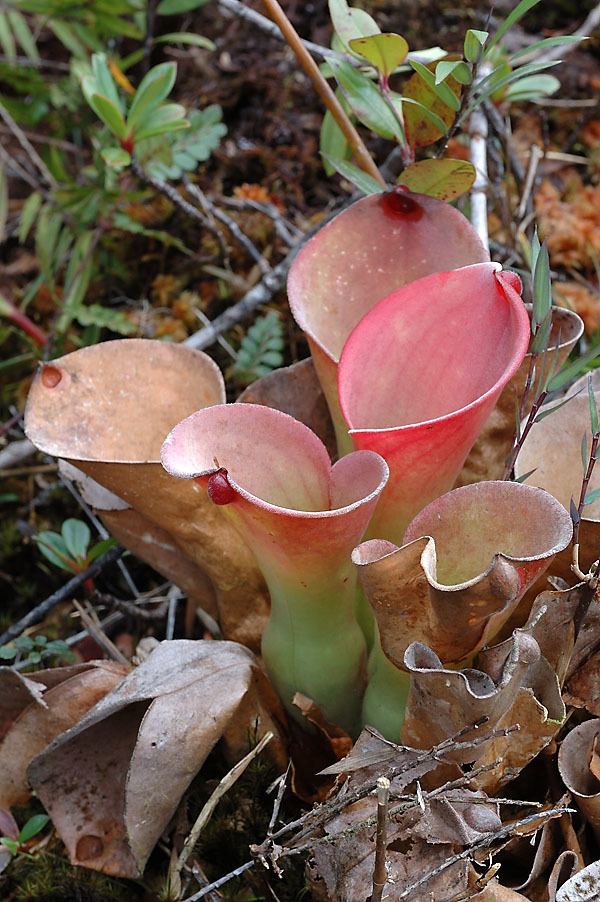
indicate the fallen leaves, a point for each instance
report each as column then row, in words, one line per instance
column 112, row 783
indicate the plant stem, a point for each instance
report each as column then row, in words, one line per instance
column 361, row 154
column 22, row 321
column 521, row 439
column 584, row 487
column 380, row 870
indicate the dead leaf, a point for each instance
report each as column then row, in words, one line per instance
column 296, row 390
column 334, row 736
column 574, row 766
column 582, row 887
column 107, row 409
column 112, row 783
column 36, row 708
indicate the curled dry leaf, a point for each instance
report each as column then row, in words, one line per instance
column 373, row 247
column 578, row 764
column 112, row 783
column 469, row 557
column 553, row 448
column 36, row 708
column 487, row 457
column 295, row 390
column 514, row 684
column 107, row 409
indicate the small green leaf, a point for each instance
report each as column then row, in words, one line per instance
column 365, row 100
column 105, row 83
column 104, row 318
column 362, row 180
column 542, row 291
column 474, row 42
column 29, row 213
column 547, row 411
column 532, row 87
column 574, row 512
column 445, row 179
column 525, row 476
column 7, row 41
column 457, row 68
column 349, row 22
column 543, row 45
column 23, row 34
column 540, row 340
column 33, row 826
column 8, row 652
column 261, row 348
column 570, row 372
column 99, row 548
column 110, row 114
column 584, row 452
column 384, row 51
column 176, row 7
column 156, row 85
column 54, row 549
column 442, row 91
column 593, row 406
column 166, row 119
column 592, row 496
column 10, row 844
column 115, row 157
column 76, row 536
column 332, row 142
column 186, row 37
column 513, row 17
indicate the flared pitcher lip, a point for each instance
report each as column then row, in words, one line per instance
column 192, row 473
column 564, row 530
column 519, row 353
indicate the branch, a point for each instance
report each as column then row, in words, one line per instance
column 39, row 612
column 478, row 135
column 321, row 86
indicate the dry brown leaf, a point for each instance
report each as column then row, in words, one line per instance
column 487, row 458
column 36, row 708
column 296, row 390
column 112, row 783
column 574, row 765
column 566, row 865
column 334, row 736
column 107, row 409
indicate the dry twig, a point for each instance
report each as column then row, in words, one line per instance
column 379, row 869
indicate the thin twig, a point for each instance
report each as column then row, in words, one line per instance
column 577, row 522
column 379, row 870
column 478, row 135
column 230, row 224
column 27, row 146
column 92, row 623
column 221, row 881
column 39, row 612
column 504, row 832
column 321, row 86
column 286, row 230
column 223, row 787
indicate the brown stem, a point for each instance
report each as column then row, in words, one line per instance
column 380, row 870
column 584, row 487
column 22, row 321
column 361, row 154
column 521, row 440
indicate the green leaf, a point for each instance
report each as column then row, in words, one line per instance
column 542, row 290
column 54, row 549
column 474, row 42
column 105, row 83
column 384, row 51
column 109, row 114
column 176, row 7
column 428, row 126
column 593, row 406
column 457, row 68
column 491, row 84
column 115, row 157
column 362, row 180
column 365, row 100
column 168, row 157
column 513, row 17
column 261, row 348
column 547, row 411
column 570, row 372
column 332, row 142
column 186, row 37
column 592, row 496
column 584, row 452
column 7, row 652
column 104, row 318
column 77, row 536
column 99, row 548
column 543, row 45
column 166, row 119
column 349, row 23
column 445, row 179
column 156, row 85
column 29, row 213
column 10, row 844
column 532, row 87
column 23, row 34
column 542, row 334
column 442, row 91
column 7, row 41
column 33, row 826
column 525, row 476
column 24, row 643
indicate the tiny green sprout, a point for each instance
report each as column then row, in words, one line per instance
column 30, row 651
column 70, row 549
column 16, row 843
